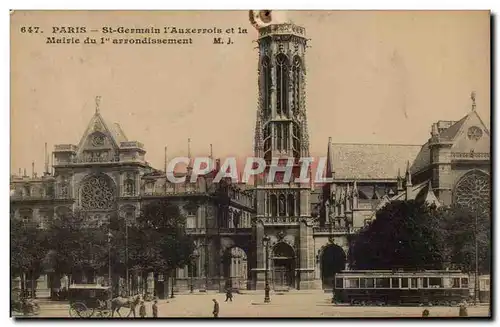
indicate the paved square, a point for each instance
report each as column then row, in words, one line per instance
column 287, row 305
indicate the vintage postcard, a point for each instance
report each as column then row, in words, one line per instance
column 257, row 163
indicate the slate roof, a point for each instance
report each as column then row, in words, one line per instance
column 422, row 160
column 371, row 161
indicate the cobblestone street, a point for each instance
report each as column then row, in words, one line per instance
column 288, row 305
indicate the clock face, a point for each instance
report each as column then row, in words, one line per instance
column 474, row 133
column 98, row 140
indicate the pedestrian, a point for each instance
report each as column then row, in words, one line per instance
column 142, row 310
column 462, row 312
column 155, row 309
column 216, row 308
column 229, row 294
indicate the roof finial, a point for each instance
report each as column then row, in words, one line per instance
column 189, row 148
column 473, row 98
column 97, row 103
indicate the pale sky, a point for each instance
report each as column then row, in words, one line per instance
column 372, row 77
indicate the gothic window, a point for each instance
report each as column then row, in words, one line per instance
column 281, row 84
column 473, row 192
column 297, row 79
column 286, row 135
column 97, row 193
column 298, row 205
column 129, row 187
column 274, row 205
column 282, row 205
column 278, row 137
column 266, row 85
column 291, row 205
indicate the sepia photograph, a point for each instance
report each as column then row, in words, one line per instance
column 250, row 164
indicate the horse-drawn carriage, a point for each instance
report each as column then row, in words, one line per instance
column 87, row 300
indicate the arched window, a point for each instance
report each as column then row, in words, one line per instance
column 286, row 135
column 97, row 192
column 281, row 84
column 274, row 205
column 266, row 85
column 297, row 199
column 278, row 137
column 473, row 192
column 291, row 205
column 282, row 205
column 297, row 81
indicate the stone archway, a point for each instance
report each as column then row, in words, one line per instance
column 235, row 265
column 283, row 266
column 332, row 261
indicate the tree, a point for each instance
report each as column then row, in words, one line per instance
column 459, row 225
column 77, row 247
column 27, row 252
column 404, row 235
column 161, row 243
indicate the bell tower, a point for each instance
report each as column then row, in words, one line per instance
column 281, row 129
column 281, row 137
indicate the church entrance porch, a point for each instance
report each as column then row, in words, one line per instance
column 283, row 267
column 333, row 261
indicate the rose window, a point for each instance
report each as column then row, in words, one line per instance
column 97, row 193
column 473, row 192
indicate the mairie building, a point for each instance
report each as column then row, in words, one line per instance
column 308, row 225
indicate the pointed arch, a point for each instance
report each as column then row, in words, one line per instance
column 274, row 205
column 297, row 84
column 282, row 80
column 266, row 81
column 291, row 205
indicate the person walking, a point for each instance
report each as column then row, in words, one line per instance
column 229, row 294
column 462, row 312
column 216, row 308
column 142, row 310
column 155, row 309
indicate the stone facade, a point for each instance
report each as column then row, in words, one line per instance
column 309, row 226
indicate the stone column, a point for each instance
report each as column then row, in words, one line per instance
column 259, row 271
column 306, row 255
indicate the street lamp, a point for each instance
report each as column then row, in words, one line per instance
column 110, row 284
column 193, row 257
column 265, row 242
column 172, row 285
column 476, row 279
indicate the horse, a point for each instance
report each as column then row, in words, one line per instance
column 122, row 302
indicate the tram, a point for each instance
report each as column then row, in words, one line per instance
column 386, row 287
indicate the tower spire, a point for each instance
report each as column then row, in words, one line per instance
column 32, row 169
column 329, row 162
column 408, row 174
column 165, row 163
column 473, row 98
column 189, row 154
column 46, row 172
column 97, row 104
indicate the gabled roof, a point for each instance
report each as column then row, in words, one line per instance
column 371, row 161
column 422, row 160
column 97, row 122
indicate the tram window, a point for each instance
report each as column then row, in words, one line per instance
column 414, row 282
column 382, row 282
column 339, row 283
column 435, row 282
column 352, row 283
column 404, row 282
column 367, row 283
column 456, row 283
column 426, row 282
column 465, row 283
column 395, row 282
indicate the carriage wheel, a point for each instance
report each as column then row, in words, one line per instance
column 80, row 310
